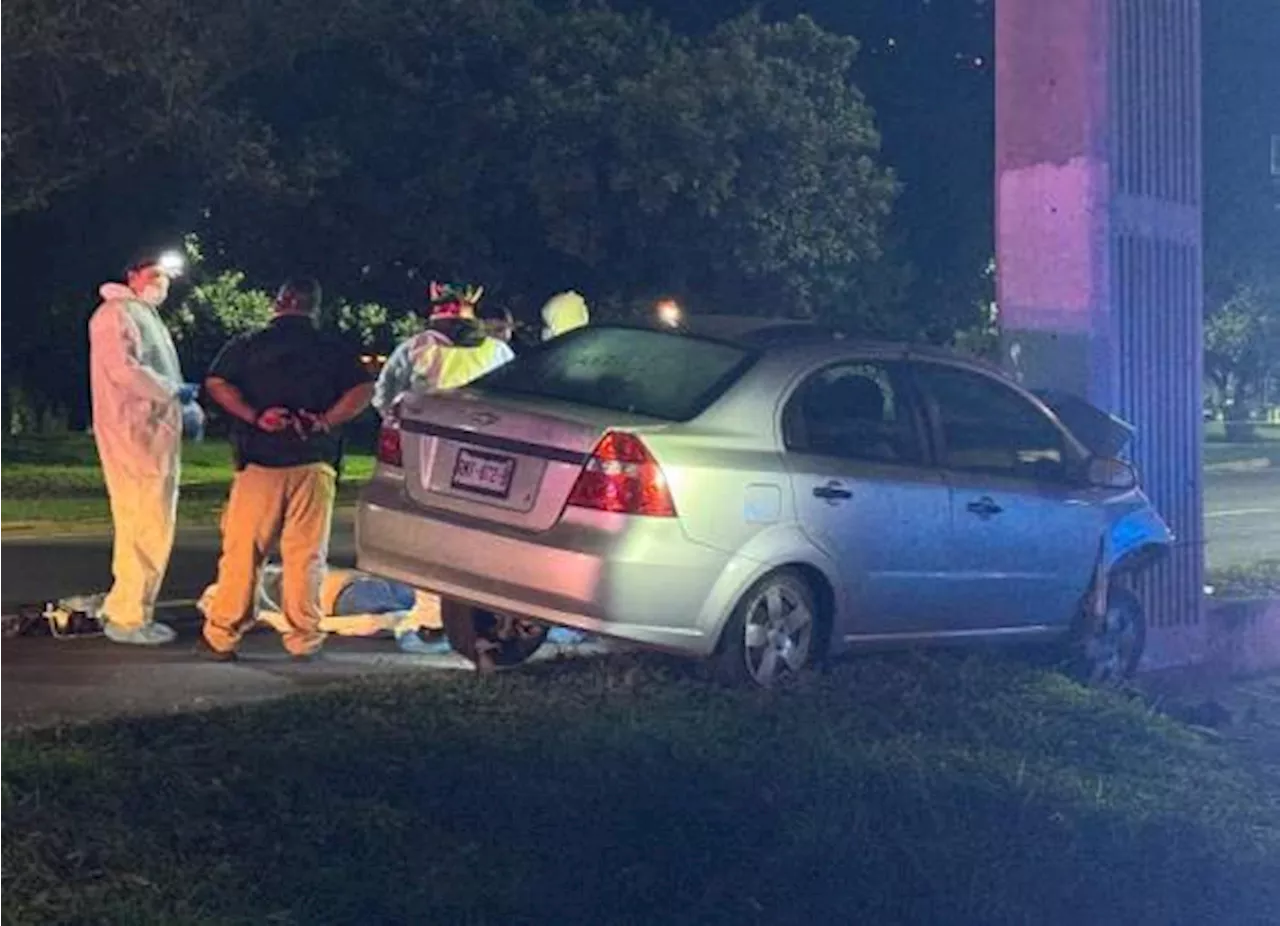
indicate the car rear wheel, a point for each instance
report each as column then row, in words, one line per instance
column 772, row 634
column 490, row 640
column 1108, row 652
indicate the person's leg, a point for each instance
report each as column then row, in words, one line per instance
column 304, row 548
column 144, row 512
column 123, row 604
column 250, row 523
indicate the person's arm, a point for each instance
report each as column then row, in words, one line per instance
column 349, row 406
column 228, row 396
column 115, row 341
column 355, row 388
column 229, row 399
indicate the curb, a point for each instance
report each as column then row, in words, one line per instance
column 1243, row 635
column 1239, row 466
column 23, row 531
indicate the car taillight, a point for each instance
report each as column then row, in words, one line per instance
column 389, row 446
column 622, row 476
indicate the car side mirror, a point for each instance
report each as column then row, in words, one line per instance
column 1110, row 473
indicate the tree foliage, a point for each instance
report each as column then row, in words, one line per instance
column 528, row 148
column 1242, row 342
column 378, row 144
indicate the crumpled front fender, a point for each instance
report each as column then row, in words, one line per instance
column 1134, row 537
column 1132, row 542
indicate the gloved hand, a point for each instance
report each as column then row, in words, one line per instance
column 187, row 393
column 193, row 421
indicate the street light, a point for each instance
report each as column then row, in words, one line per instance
column 669, row 313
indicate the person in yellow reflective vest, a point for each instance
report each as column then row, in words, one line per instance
column 453, row 350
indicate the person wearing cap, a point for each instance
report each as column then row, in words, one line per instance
column 289, row 390
column 454, row 350
column 563, row 313
column 137, row 393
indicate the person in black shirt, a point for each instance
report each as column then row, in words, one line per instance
column 289, row 389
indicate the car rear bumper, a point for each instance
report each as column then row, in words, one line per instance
column 630, row 578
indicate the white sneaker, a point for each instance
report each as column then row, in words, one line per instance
column 152, row 634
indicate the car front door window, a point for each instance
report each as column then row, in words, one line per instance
column 986, row 427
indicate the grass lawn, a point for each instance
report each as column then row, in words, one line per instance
column 1258, row 580
column 56, row 483
column 1218, row 451
column 945, row 789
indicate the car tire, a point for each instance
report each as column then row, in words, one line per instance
column 773, row 634
column 1108, row 655
column 490, row 640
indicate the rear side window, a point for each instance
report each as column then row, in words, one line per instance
column 854, row 411
column 660, row 375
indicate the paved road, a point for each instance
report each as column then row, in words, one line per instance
column 1242, row 517
column 48, row 681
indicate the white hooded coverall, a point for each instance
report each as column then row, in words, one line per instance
column 135, row 378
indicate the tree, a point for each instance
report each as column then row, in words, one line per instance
column 89, row 87
column 379, row 144
column 584, row 148
column 1242, row 345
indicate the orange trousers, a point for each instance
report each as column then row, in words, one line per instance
column 295, row 505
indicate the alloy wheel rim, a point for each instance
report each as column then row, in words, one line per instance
column 778, row 633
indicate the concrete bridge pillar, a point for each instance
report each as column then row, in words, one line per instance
column 1098, row 246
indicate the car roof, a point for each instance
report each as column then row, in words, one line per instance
column 773, row 335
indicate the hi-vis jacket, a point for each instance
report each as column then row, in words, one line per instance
column 432, row 360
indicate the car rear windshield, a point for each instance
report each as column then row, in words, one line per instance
column 652, row 373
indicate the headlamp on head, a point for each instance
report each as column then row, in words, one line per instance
column 172, row 264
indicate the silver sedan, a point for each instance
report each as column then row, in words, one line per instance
column 764, row 496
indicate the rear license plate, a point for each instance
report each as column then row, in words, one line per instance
column 484, row 473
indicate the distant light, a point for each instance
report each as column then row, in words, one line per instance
column 978, row 61
column 171, row 263
column 669, row 313
column 893, row 43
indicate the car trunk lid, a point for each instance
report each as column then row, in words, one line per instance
column 501, row 459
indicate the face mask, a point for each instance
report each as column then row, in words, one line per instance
column 154, row 293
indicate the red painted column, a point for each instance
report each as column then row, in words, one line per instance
column 1098, row 244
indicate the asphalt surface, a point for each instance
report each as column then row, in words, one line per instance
column 1242, row 517
column 48, row 681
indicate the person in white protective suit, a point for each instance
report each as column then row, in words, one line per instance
column 563, row 313
column 453, row 351
column 138, row 393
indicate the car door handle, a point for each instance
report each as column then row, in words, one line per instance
column 985, row 507
column 831, row 492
